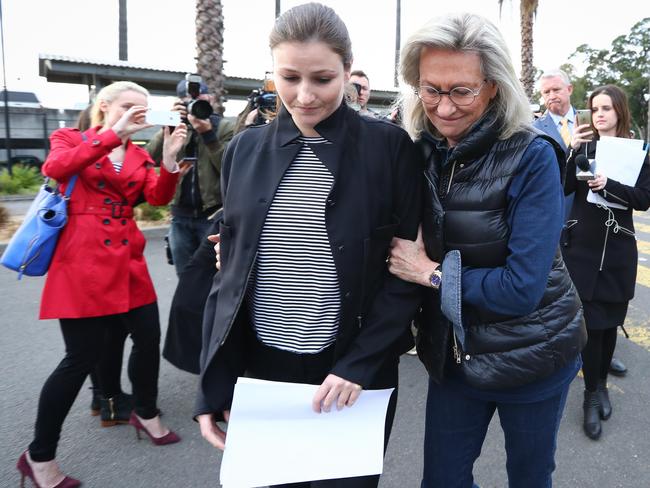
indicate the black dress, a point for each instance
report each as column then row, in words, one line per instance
column 184, row 332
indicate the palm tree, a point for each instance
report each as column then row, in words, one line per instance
column 527, row 11
column 209, row 48
column 123, row 32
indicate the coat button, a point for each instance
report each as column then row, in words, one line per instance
column 125, row 241
column 106, row 221
column 101, row 184
column 107, row 201
column 347, row 295
column 341, row 248
column 96, row 142
column 131, row 184
column 107, row 242
column 98, row 165
column 330, row 202
column 123, row 221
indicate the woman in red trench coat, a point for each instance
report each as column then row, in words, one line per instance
column 98, row 280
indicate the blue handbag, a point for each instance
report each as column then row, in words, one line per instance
column 31, row 248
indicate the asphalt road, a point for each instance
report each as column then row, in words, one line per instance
column 17, row 205
column 113, row 457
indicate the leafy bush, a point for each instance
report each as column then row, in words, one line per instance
column 23, row 180
column 145, row 211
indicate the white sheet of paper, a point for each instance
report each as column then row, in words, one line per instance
column 619, row 159
column 274, row 437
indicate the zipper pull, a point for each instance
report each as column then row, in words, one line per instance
column 359, row 320
column 456, row 350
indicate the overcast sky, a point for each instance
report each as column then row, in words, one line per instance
column 161, row 34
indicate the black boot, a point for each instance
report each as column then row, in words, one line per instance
column 95, row 403
column 591, row 407
column 617, row 367
column 116, row 410
column 605, row 409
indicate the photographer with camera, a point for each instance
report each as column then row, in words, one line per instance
column 198, row 194
column 261, row 107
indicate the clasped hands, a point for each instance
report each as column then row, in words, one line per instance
column 334, row 391
column 408, row 260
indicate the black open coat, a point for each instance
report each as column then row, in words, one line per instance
column 602, row 259
column 375, row 196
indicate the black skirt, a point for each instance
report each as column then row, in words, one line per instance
column 601, row 315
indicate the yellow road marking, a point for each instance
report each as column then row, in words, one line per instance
column 639, row 334
column 639, row 227
column 643, row 247
column 643, row 276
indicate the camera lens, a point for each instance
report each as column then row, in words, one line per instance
column 201, row 109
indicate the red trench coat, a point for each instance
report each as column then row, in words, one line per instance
column 98, row 266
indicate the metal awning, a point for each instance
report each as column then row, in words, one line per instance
column 159, row 81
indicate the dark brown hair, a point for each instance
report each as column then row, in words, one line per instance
column 620, row 105
column 313, row 22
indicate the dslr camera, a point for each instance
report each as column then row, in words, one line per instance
column 264, row 100
column 201, row 109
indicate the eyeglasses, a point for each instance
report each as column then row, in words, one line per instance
column 461, row 95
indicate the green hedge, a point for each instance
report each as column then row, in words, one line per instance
column 24, row 180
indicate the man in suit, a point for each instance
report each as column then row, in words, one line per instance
column 559, row 119
column 558, row 122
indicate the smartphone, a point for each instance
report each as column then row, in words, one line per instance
column 186, row 162
column 163, row 117
column 583, row 116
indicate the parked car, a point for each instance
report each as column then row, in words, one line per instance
column 26, row 160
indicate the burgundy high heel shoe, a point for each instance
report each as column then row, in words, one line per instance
column 169, row 438
column 26, row 471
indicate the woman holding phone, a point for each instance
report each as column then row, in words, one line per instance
column 599, row 246
column 98, row 281
column 303, row 293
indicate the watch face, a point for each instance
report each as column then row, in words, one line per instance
column 435, row 279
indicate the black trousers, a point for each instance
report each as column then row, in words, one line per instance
column 269, row 363
column 597, row 355
column 85, row 339
column 110, row 365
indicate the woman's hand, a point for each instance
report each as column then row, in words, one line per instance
column 598, row 183
column 133, row 120
column 409, row 261
column 172, row 143
column 210, row 431
column 217, row 248
column 581, row 134
column 335, row 390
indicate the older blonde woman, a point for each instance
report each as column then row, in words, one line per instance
column 512, row 330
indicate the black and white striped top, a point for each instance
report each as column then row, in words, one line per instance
column 293, row 294
column 117, row 165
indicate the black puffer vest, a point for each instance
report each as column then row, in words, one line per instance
column 466, row 206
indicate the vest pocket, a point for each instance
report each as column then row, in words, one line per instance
column 565, row 238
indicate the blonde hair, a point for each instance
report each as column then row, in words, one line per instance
column 110, row 93
column 465, row 32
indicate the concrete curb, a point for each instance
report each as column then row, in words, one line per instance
column 16, row 198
